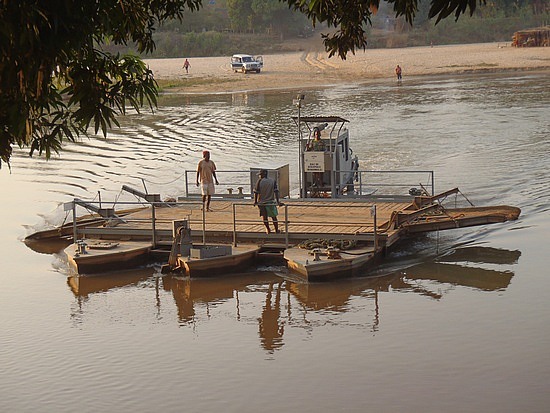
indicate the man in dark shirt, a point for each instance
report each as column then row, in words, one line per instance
column 266, row 196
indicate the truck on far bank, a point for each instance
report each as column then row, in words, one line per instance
column 246, row 63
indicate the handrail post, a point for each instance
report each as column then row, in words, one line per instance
column 333, row 181
column 75, row 231
column 186, row 185
column 203, row 223
column 433, row 183
column 234, row 225
column 286, row 226
column 153, row 225
column 375, row 229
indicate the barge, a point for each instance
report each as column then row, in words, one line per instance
column 340, row 225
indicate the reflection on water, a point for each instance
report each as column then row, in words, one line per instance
column 83, row 286
column 287, row 304
column 483, row 255
column 271, row 326
column 207, row 292
column 478, row 278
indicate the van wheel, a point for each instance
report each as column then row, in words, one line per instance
column 258, row 71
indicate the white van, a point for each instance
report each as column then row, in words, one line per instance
column 246, row 63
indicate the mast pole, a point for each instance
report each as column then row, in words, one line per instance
column 298, row 103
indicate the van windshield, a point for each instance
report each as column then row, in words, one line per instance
column 248, row 59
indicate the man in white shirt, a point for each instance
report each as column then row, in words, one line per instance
column 206, row 176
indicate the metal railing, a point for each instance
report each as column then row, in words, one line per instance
column 233, row 184
column 297, row 223
column 148, row 224
column 237, row 184
column 393, row 182
column 365, row 183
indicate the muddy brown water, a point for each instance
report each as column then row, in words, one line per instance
column 456, row 321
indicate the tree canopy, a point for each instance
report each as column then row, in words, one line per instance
column 56, row 81
column 350, row 17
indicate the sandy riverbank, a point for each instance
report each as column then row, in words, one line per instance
column 308, row 69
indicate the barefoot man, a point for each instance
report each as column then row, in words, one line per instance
column 206, row 170
column 266, row 196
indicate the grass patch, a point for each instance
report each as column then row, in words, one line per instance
column 472, row 66
column 170, row 84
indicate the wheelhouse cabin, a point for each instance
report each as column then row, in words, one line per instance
column 328, row 167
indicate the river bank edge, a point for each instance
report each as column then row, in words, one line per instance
column 314, row 69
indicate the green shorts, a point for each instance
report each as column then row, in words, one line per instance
column 268, row 211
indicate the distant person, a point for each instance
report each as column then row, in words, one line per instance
column 186, row 65
column 317, row 144
column 266, row 197
column 206, row 176
column 398, row 72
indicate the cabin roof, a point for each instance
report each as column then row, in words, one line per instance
column 535, row 30
column 320, row 119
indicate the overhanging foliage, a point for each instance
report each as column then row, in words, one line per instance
column 350, row 17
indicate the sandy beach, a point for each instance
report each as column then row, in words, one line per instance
column 306, row 69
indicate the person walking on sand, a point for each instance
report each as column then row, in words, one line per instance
column 398, row 72
column 186, row 65
column 266, row 197
column 206, row 170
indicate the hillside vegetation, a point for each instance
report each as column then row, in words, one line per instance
column 217, row 30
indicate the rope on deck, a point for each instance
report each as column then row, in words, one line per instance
column 344, row 244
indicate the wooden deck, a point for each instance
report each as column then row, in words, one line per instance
column 298, row 220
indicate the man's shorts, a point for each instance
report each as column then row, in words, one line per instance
column 208, row 189
column 268, row 211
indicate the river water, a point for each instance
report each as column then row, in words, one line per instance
column 455, row 322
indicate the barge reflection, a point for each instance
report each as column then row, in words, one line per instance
column 289, row 304
column 82, row 286
column 189, row 293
